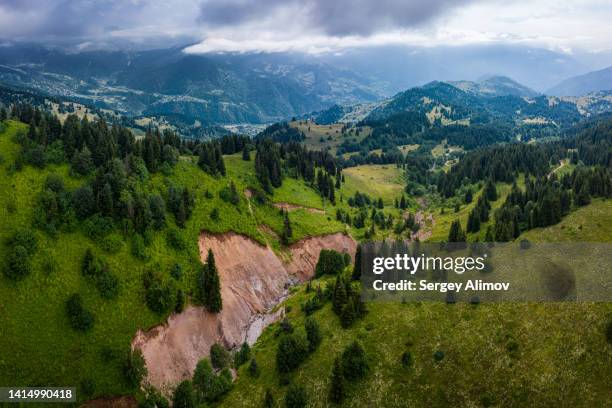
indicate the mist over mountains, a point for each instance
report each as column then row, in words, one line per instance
column 229, row 88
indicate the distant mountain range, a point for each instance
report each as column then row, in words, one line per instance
column 206, row 90
column 212, row 88
column 494, row 100
column 583, row 84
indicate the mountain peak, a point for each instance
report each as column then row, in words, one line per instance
column 583, row 84
column 495, row 85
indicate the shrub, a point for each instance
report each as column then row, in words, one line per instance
column 313, row 334
column 268, row 401
column 177, row 271
column 159, row 295
column 112, row 243
column 330, row 262
column 184, row 396
column 175, row 240
column 253, row 368
column 439, row 355
column 243, row 355
column 135, row 368
column 80, row 318
column 407, row 359
column 208, row 386
column 296, row 396
column 337, row 391
column 292, row 351
column 97, row 227
column 138, row 248
column 609, row 331
column 180, row 301
column 17, row 263
column 26, row 238
column 354, row 362
column 155, row 399
column 84, row 202
column 219, row 357
column 229, row 194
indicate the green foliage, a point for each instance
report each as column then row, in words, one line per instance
column 210, row 286
column 242, row 355
column 80, row 318
column 175, row 240
column 407, row 359
column 609, row 331
column 26, row 238
column 219, row 356
column 154, row 399
column 184, row 396
column 138, row 248
column 254, row 368
column 229, row 194
column 438, row 355
column 287, row 231
column 159, row 294
column 296, row 396
column 268, row 401
column 337, row 390
column 330, row 262
column 99, row 272
column 456, row 233
column 209, row 387
column 354, row 362
column 292, row 351
column 356, row 275
column 313, row 334
column 18, row 264
column 135, row 368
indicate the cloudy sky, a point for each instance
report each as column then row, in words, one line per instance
column 309, row 25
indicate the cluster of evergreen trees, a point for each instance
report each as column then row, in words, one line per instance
column 546, row 200
column 503, row 162
column 346, row 301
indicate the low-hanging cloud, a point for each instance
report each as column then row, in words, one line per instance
column 335, row 18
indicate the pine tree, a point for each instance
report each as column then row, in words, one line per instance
column 339, row 296
column 337, row 391
column 268, row 401
column 356, row 275
column 246, row 156
column 184, row 396
column 287, row 231
column 379, row 204
column 456, row 233
column 313, row 334
column 402, row 203
column 212, row 287
column 468, row 197
column 253, row 368
column 490, row 191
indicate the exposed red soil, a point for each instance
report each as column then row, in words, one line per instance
column 253, row 281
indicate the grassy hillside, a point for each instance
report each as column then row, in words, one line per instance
column 45, row 350
column 377, row 180
column 494, row 355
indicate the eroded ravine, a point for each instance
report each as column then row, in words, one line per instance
column 253, row 281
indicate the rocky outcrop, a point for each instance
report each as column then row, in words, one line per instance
column 253, row 281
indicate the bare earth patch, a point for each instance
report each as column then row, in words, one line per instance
column 253, row 281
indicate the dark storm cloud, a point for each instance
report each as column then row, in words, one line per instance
column 97, row 21
column 333, row 17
